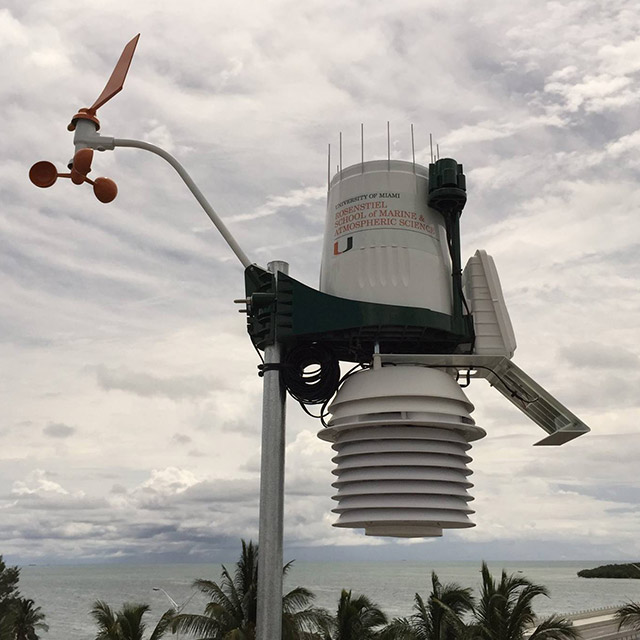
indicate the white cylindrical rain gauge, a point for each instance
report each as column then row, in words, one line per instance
column 402, row 434
column 382, row 242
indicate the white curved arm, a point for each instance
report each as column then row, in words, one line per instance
column 174, row 604
column 87, row 136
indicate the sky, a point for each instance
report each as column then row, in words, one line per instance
column 131, row 405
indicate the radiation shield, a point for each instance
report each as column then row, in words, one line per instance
column 401, row 436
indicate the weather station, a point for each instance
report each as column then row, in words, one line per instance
column 396, row 304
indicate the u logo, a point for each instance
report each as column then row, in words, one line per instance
column 336, row 248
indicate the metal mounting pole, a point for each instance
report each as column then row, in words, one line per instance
column 269, row 616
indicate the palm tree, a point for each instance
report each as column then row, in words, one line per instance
column 127, row 624
column 440, row 618
column 9, row 577
column 505, row 611
column 357, row 618
column 232, row 608
column 5, row 629
column 106, row 619
column 629, row 616
column 26, row 620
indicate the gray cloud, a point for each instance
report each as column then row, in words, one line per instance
column 58, row 430
column 626, row 494
column 148, row 385
column 540, row 105
column 601, row 356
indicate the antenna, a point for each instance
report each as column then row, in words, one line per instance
column 341, row 155
column 413, row 149
column 362, row 147
column 388, row 147
column 431, row 146
column 328, row 166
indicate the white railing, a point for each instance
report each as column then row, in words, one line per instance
column 606, row 629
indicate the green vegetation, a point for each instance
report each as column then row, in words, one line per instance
column 231, row 611
column 441, row 617
column 629, row 616
column 630, row 570
column 503, row 612
column 127, row 624
column 357, row 618
column 20, row 619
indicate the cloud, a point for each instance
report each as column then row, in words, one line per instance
column 599, row 356
column 58, row 430
column 169, row 481
column 121, row 319
column 294, row 199
column 148, row 385
column 38, row 483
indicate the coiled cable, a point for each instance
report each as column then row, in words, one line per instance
column 311, row 373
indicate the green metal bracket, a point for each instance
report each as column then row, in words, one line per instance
column 298, row 314
column 261, row 300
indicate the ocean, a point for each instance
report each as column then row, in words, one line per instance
column 66, row 593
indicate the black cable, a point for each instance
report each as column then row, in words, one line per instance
column 323, row 411
column 259, row 354
column 448, row 226
column 467, row 379
column 311, row 373
column 514, row 393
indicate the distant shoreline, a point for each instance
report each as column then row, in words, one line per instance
column 630, row 570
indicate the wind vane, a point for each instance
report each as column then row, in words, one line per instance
column 44, row 174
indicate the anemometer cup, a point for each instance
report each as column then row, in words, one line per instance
column 105, row 190
column 82, row 161
column 81, row 164
column 43, row 174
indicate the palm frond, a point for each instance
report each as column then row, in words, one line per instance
column 130, row 623
column 203, row 627
column 164, row 624
column 297, row 598
column 399, row 629
column 106, row 621
column 628, row 615
column 221, row 604
column 555, row 628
